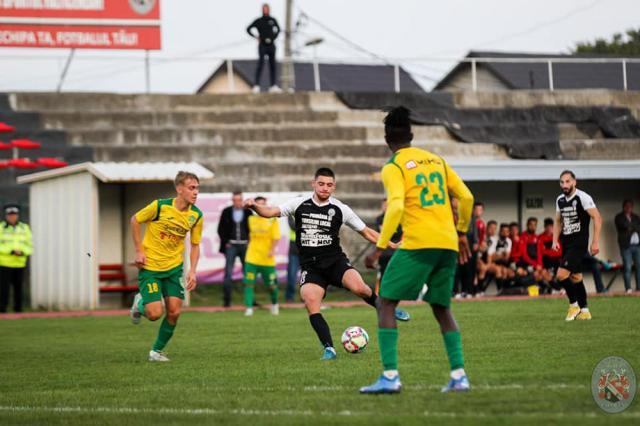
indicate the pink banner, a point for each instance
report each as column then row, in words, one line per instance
column 212, row 262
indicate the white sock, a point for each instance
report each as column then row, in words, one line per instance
column 390, row 374
column 458, row 373
column 584, row 310
column 574, row 305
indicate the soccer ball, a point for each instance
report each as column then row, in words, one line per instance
column 355, row 339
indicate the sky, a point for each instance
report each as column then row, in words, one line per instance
column 424, row 36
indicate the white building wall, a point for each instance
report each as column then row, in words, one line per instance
column 110, row 232
column 64, row 220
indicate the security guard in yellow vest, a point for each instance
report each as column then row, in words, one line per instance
column 15, row 247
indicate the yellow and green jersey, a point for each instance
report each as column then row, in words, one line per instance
column 263, row 233
column 418, row 184
column 167, row 227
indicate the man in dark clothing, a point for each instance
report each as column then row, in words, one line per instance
column 268, row 30
column 628, row 227
column 233, row 230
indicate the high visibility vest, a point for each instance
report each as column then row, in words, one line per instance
column 15, row 239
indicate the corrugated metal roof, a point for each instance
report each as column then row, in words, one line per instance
column 124, row 172
column 541, row 170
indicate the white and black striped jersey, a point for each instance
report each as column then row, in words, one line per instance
column 317, row 226
column 575, row 218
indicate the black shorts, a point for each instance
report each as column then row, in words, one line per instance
column 325, row 272
column 551, row 263
column 572, row 258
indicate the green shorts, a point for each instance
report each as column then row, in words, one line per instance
column 268, row 273
column 409, row 270
column 154, row 285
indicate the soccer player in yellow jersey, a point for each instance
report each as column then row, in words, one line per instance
column 264, row 234
column 418, row 184
column 160, row 256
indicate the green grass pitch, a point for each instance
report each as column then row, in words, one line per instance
column 526, row 366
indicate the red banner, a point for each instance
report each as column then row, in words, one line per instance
column 81, row 24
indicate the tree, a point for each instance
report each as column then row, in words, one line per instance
column 627, row 44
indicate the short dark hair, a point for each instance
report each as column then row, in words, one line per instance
column 504, row 225
column 514, row 224
column 260, row 198
column 397, row 126
column 532, row 219
column 627, row 201
column 182, row 176
column 548, row 221
column 324, row 171
column 236, row 192
column 478, row 203
column 568, row 172
column 492, row 222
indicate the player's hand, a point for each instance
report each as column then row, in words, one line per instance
column 393, row 246
column 464, row 254
column 371, row 260
column 595, row 248
column 555, row 246
column 271, row 253
column 141, row 259
column 249, row 203
column 191, row 281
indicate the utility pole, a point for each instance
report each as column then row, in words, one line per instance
column 288, row 77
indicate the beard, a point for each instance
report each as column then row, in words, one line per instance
column 568, row 190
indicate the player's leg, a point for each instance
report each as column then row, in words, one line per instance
column 312, row 295
column 249, row 281
column 404, row 278
column 270, row 279
column 439, row 297
column 352, row 281
column 173, row 293
column 571, row 264
column 581, row 296
column 148, row 302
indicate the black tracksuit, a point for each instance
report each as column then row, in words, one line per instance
column 268, row 30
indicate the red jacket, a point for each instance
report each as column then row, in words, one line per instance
column 544, row 248
column 529, row 248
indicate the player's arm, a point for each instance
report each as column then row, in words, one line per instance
column 597, row 227
column 393, row 182
column 142, row 216
column 252, row 26
column 264, row 211
column 194, row 254
column 557, row 226
column 457, row 187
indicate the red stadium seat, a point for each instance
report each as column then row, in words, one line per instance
column 51, row 163
column 23, row 163
column 25, row 144
column 5, row 146
column 5, row 128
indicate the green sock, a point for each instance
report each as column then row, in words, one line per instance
column 248, row 296
column 164, row 335
column 453, row 345
column 388, row 341
column 141, row 306
column 274, row 294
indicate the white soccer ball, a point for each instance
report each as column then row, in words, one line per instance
column 355, row 339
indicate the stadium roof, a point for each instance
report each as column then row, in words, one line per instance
column 544, row 170
column 535, row 75
column 123, row 172
column 333, row 77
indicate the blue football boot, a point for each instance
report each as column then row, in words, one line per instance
column 402, row 315
column 383, row 385
column 328, row 354
column 459, row 385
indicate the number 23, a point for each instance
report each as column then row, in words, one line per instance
column 436, row 198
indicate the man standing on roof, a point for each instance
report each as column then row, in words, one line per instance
column 268, row 30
